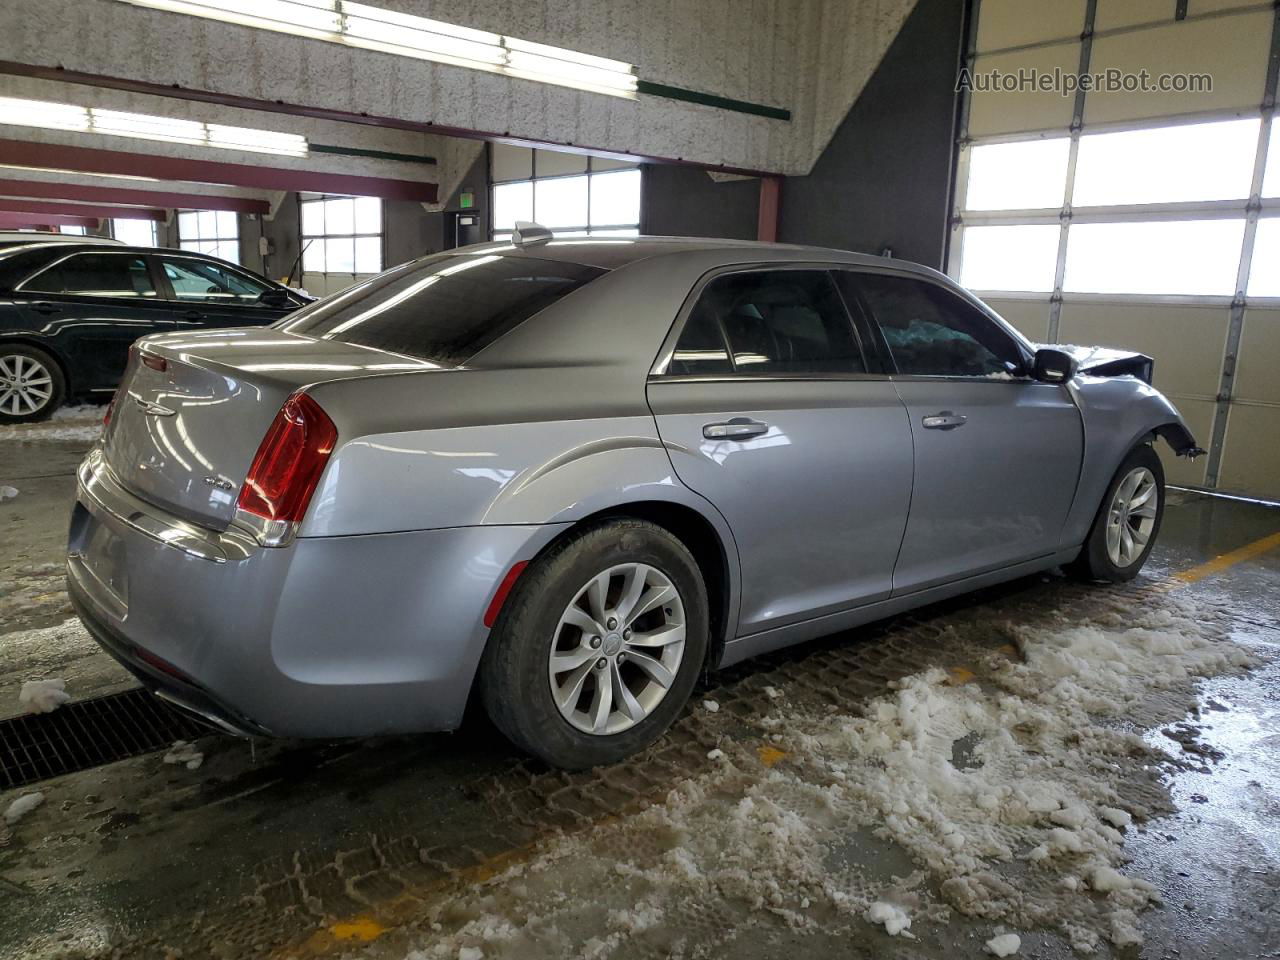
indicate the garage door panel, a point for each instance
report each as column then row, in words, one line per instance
column 1029, row 317
column 1198, row 415
column 1004, row 23
column 996, row 112
column 1250, row 452
column 1232, row 49
column 1186, row 343
column 1256, row 375
column 1128, row 13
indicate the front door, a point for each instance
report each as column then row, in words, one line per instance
column 768, row 411
column 997, row 455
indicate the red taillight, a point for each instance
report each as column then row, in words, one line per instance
column 289, row 461
column 154, row 362
column 500, row 595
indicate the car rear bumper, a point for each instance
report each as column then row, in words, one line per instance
column 328, row 637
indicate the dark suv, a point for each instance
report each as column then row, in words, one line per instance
column 70, row 311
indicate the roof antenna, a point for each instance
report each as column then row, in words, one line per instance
column 527, row 233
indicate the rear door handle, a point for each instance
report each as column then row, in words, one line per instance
column 193, row 316
column 946, row 420
column 738, row 428
column 45, row 307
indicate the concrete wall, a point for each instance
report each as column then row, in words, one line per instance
column 884, row 179
column 685, row 202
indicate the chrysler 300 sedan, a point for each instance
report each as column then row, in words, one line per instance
column 566, row 477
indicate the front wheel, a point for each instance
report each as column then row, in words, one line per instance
column 599, row 645
column 1124, row 531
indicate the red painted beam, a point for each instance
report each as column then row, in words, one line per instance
column 93, row 160
column 80, row 209
column 87, row 193
column 12, row 221
column 17, row 69
column 767, row 214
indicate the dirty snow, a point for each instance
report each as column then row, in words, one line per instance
column 22, row 806
column 1026, row 832
column 8, row 493
column 710, row 706
column 43, row 696
column 82, row 422
column 184, row 753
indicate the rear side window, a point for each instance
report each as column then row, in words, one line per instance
column 773, row 322
column 96, row 275
column 445, row 310
column 931, row 332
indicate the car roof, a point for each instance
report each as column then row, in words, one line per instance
column 610, row 253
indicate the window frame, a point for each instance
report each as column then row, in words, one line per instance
column 501, row 235
column 183, row 241
column 871, row 349
column 152, row 270
column 303, row 238
column 169, row 295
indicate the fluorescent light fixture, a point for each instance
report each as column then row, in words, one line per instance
column 402, row 34
column 47, row 115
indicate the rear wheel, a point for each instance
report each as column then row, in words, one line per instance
column 1124, row 531
column 598, row 647
column 31, row 384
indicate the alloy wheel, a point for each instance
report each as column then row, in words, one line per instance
column 1131, row 517
column 617, row 648
column 26, row 384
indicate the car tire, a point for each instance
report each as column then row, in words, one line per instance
column 31, row 384
column 546, row 707
column 1122, row 523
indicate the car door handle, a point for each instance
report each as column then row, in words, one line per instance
column 193, row 316
column 946, row 420
column 45, row 307
column 736, row 429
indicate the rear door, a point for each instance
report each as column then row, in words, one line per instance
column 997, row 455
column 205, row 293
column 94, row 305
column 770, row 410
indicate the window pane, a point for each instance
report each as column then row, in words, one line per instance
column 368, row 254
column 187, row 229
column 97, row 275
column 136, row 233
column 1171, row 257
column 624, row 232
column 228, row 250
column 313, row 218
column 188, row 245
column 1264, row 273
column 313, row 255
column 701, row 347
column 782, row 321
column 1271, row 182
column 615, row 198
column 368, row 211
column 1021, row 257
column 208, row 224
column 502, row 236
column 1027, row 175
column 340, row 255
column 228, row 226
column 339, row 217
column 932, row 332
column 1202, row 161
column 445, row 308
column 512, row 202
column 561, row 202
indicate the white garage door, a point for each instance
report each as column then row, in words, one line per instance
column 1119, row 184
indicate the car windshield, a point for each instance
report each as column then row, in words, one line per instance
column 442, row 309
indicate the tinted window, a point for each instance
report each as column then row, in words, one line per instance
column 932, row 332
column 445, row 309
column 775, row 321
column 209, row 282
column 96, row 275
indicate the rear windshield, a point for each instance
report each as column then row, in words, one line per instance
column 444, row 309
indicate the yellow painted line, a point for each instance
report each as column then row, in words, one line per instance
column 770, row 755
column 960, row 675
column 363, row 929
column 1228, row 560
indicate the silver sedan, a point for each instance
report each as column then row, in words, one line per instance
column 569, row 475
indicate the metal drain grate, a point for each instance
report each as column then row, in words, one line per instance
column 88, row 733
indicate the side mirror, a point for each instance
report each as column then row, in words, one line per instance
column 275, row 297
column 1053, row 366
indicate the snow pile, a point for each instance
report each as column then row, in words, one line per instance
column 1026, row 832
column 184, row 753
column 78, row 423
column 8, row 493
column 35, row 591
column 43, row 696
column 22, row 806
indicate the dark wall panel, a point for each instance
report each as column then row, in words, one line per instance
column 685, row 202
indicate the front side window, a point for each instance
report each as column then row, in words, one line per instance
column 445, row 309
column 930, row 331
column 195, row 280
column 774, row 322
column 96, row 275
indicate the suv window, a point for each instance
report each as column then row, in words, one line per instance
column 96, row 275
column 196, row 280
column 445, row 309
column 774, row 321
column 931, row 332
